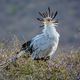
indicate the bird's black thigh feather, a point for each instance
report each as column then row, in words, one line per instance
column 26, row 45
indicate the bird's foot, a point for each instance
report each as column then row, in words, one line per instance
column 43, row 58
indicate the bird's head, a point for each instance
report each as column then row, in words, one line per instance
column 48, row 18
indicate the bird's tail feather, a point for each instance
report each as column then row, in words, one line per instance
column 16, row 56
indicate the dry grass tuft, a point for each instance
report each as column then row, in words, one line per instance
column 63, row 67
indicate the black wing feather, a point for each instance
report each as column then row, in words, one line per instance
column 26, row 45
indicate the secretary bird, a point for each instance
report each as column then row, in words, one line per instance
column 44, row 45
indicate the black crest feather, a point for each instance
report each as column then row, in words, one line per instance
column 41, row 14
column 39, row 19
column 47, row 14
column 49, row 10
column 55, row 15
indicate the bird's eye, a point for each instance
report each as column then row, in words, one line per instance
column 48, row 19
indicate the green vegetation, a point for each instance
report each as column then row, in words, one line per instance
column 65, row 66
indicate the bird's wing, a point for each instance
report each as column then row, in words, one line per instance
column 41, row 43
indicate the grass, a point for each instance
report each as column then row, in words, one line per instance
column 65, row 66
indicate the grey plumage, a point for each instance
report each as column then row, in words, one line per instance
column 45, row 44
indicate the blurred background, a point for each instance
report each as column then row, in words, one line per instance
column 18, row 17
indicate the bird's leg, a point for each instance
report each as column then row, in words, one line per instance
column 37, row 58
column 47, row 58
column 43, row 58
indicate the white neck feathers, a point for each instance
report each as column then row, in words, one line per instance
column 50, row 30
